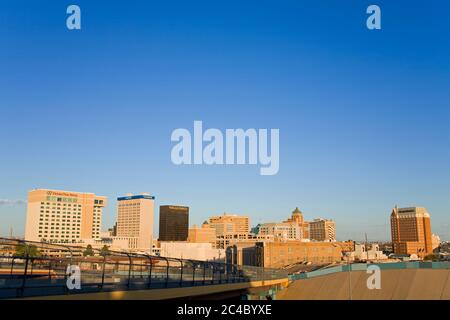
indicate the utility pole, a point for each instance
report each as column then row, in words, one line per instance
column 349, row 278
column 367, row 251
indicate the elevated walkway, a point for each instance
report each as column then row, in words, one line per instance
column 213, row 292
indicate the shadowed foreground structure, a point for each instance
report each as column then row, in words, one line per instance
column 400, row 284
column 44, row 270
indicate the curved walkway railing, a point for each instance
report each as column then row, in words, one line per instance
column 41, row 269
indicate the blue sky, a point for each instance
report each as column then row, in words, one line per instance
column 363, row 115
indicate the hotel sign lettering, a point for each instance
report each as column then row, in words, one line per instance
column 61, row 194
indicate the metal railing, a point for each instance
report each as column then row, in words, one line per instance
column 30, row 269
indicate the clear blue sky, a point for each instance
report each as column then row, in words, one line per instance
column 363, row 115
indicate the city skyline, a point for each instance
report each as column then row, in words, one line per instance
column 156, row 216
column 363, row 115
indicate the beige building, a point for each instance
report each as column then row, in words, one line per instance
column 411, row 231
column 230, row 224
column 322, row 230
column 280, row 254
column 63, row 216
column 362, row 253
column 226, row 240
column 283, row 231
column 298, row 219
column 193, row 251
column 436, row 242
column 203, row 234
column 135, row 221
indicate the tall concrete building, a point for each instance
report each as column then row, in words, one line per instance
column 322, row 230
column 135, row 215
column 63, row 216
column 411, row 231
column 230, row 224
column 173, row 223
column 297, row 218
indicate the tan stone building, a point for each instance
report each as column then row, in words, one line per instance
column 63, row 216
column 298, row 219
column 282, row 231
column 322, row 230
column 203, row 234
column 346, row 246
column 230, row 224
column 411, row 231
column 282, row 254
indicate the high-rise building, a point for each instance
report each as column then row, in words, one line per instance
column 230, row 224
column 322, row 230
column 297, row 218
column 135, row 220
column 173, row 223
column 63, row 216
column 411, row 231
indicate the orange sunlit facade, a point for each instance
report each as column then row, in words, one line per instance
column 63, row 216
column 298, row 219
column 411, row 231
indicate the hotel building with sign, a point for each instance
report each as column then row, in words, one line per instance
column 63, row 216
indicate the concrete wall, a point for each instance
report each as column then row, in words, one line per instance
column 400, row 284
column 194, row 251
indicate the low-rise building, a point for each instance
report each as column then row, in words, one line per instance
column 192, row 251
column 362, row 254
column 436, row 242
column 226, row 240
column 283, row 231
column 203, row 234
column 281, row 254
